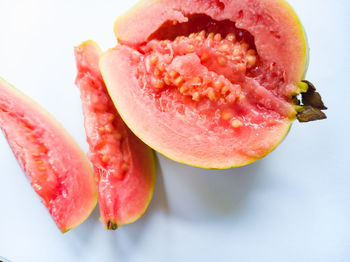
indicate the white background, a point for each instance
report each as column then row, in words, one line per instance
column 294, row 205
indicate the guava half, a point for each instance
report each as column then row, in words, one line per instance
column 57, row 169
column 123, row 165
column 213, row 84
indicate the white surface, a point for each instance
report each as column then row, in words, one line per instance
column 292, row 206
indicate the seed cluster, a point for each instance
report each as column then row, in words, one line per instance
column 109, row 138
column 107, row 131
column 226, row 54
column 210, row 48
column 40, row 150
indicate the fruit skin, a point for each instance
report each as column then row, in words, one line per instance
column 122, row 198
column 72, row 196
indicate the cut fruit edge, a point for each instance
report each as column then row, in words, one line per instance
column 124, row 29
column 53, row 124
column 131, row 118
column 137, row 183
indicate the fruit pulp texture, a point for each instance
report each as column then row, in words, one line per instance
column 107, row 137
column 57, row 169
column 123, row 165
column 214, row 69
column 107, row 134
column 35, row 159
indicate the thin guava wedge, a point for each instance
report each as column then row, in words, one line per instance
column 57, row 169
column 124, row 166
column 213, row 84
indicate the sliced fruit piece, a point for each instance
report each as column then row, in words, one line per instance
column 208, row 83
column 124, row 166
column 57, row 169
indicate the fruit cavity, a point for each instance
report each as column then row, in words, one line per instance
column 201, row 66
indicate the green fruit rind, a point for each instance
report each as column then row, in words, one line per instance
column 55, row 125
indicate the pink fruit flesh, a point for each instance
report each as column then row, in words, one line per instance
column 57, row 169
column 204, row 82
column 123, row 165
column 272, row 24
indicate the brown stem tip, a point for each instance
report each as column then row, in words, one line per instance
column 112, row 225
column 310, row 105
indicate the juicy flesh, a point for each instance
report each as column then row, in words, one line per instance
column 107, row 136
column 36, row 158
column 214, row 68
column 57, row 169
column 123, row 165
column 106, row 131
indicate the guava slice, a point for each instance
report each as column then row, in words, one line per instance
column 213, row 84
column 124, row 166
column 57, row 169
